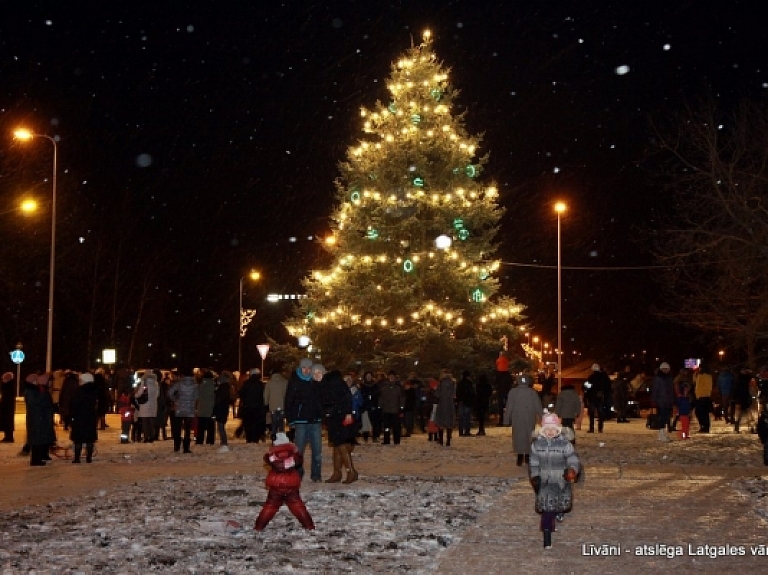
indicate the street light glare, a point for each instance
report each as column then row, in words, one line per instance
column 255, row 276
column 28, row 206
column 23, row 134
column 560, row 207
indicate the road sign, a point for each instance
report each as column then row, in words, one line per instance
column 17, row 356
column 263, row 349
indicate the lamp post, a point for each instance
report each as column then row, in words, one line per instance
column 560, row 207
column 245, row 315
column 24, row 135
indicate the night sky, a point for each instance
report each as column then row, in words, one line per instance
column 196, row 138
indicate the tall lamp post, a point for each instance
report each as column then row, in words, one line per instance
column 560, row 207
column 23, row 134
column 246, row 315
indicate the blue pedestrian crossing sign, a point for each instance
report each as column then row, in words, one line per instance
column 17, row 356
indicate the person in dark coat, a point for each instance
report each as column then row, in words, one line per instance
column 85, row 418
column 69, row 388
column 465, row 396
column 304, row 412
column 252, row 410
column 341, row 424
column 7, row 407
column 40, row 431
column 105, row 400
column 371, row 392
column 597, row 396
column 483, row 393
column 392, row 403
column 221, row 403
column 663, row 397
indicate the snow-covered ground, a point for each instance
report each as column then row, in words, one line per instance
column 143, row 508
column 395, row 525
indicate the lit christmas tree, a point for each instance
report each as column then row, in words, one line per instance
column 411, row 285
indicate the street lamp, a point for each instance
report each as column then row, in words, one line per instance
column 24, row 135
column 560, row 207
column 246, row 315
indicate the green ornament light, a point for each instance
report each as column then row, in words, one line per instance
column 407, row 266
column 436, row 94
column 392, row 107
column 372, row 234
column 471, row 171
column 418, row 182
column 355, row 196
column 415, row 119
column 478, row 296
column 463, row 234
column 458, row 223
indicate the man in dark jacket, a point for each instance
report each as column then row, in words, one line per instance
column 7, row 407
column 465, row 395
column 392, row 403
column 663, row 397
column 304, row 412
column 597, row 395
column 252, row 410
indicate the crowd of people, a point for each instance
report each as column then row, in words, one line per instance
column 291, row 410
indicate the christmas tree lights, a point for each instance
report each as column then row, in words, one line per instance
column 391, row 296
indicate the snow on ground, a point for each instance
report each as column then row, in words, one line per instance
column 397, row 525
column 143, row 508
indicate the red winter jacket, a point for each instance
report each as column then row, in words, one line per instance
column 283, row 461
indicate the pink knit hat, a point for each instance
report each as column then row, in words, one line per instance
column 550, row 420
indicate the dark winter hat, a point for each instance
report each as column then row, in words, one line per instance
column 305, row 363
column 255, row 371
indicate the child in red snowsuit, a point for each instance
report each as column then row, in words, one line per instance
column 283, row 481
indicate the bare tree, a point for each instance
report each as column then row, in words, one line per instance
column 715, row 238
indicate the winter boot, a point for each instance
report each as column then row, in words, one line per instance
column 519, row 459
column 346, row 457
column 448, row 433
column 547, row 539
column 89, row 452
column 527, row 459
column 337, row 461
column 440, row 437
column 77, row 452
column 366, row 436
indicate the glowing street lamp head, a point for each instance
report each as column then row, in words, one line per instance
column 560, row 207
column 28, row 206
column 255, row 276
column 23, row 134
